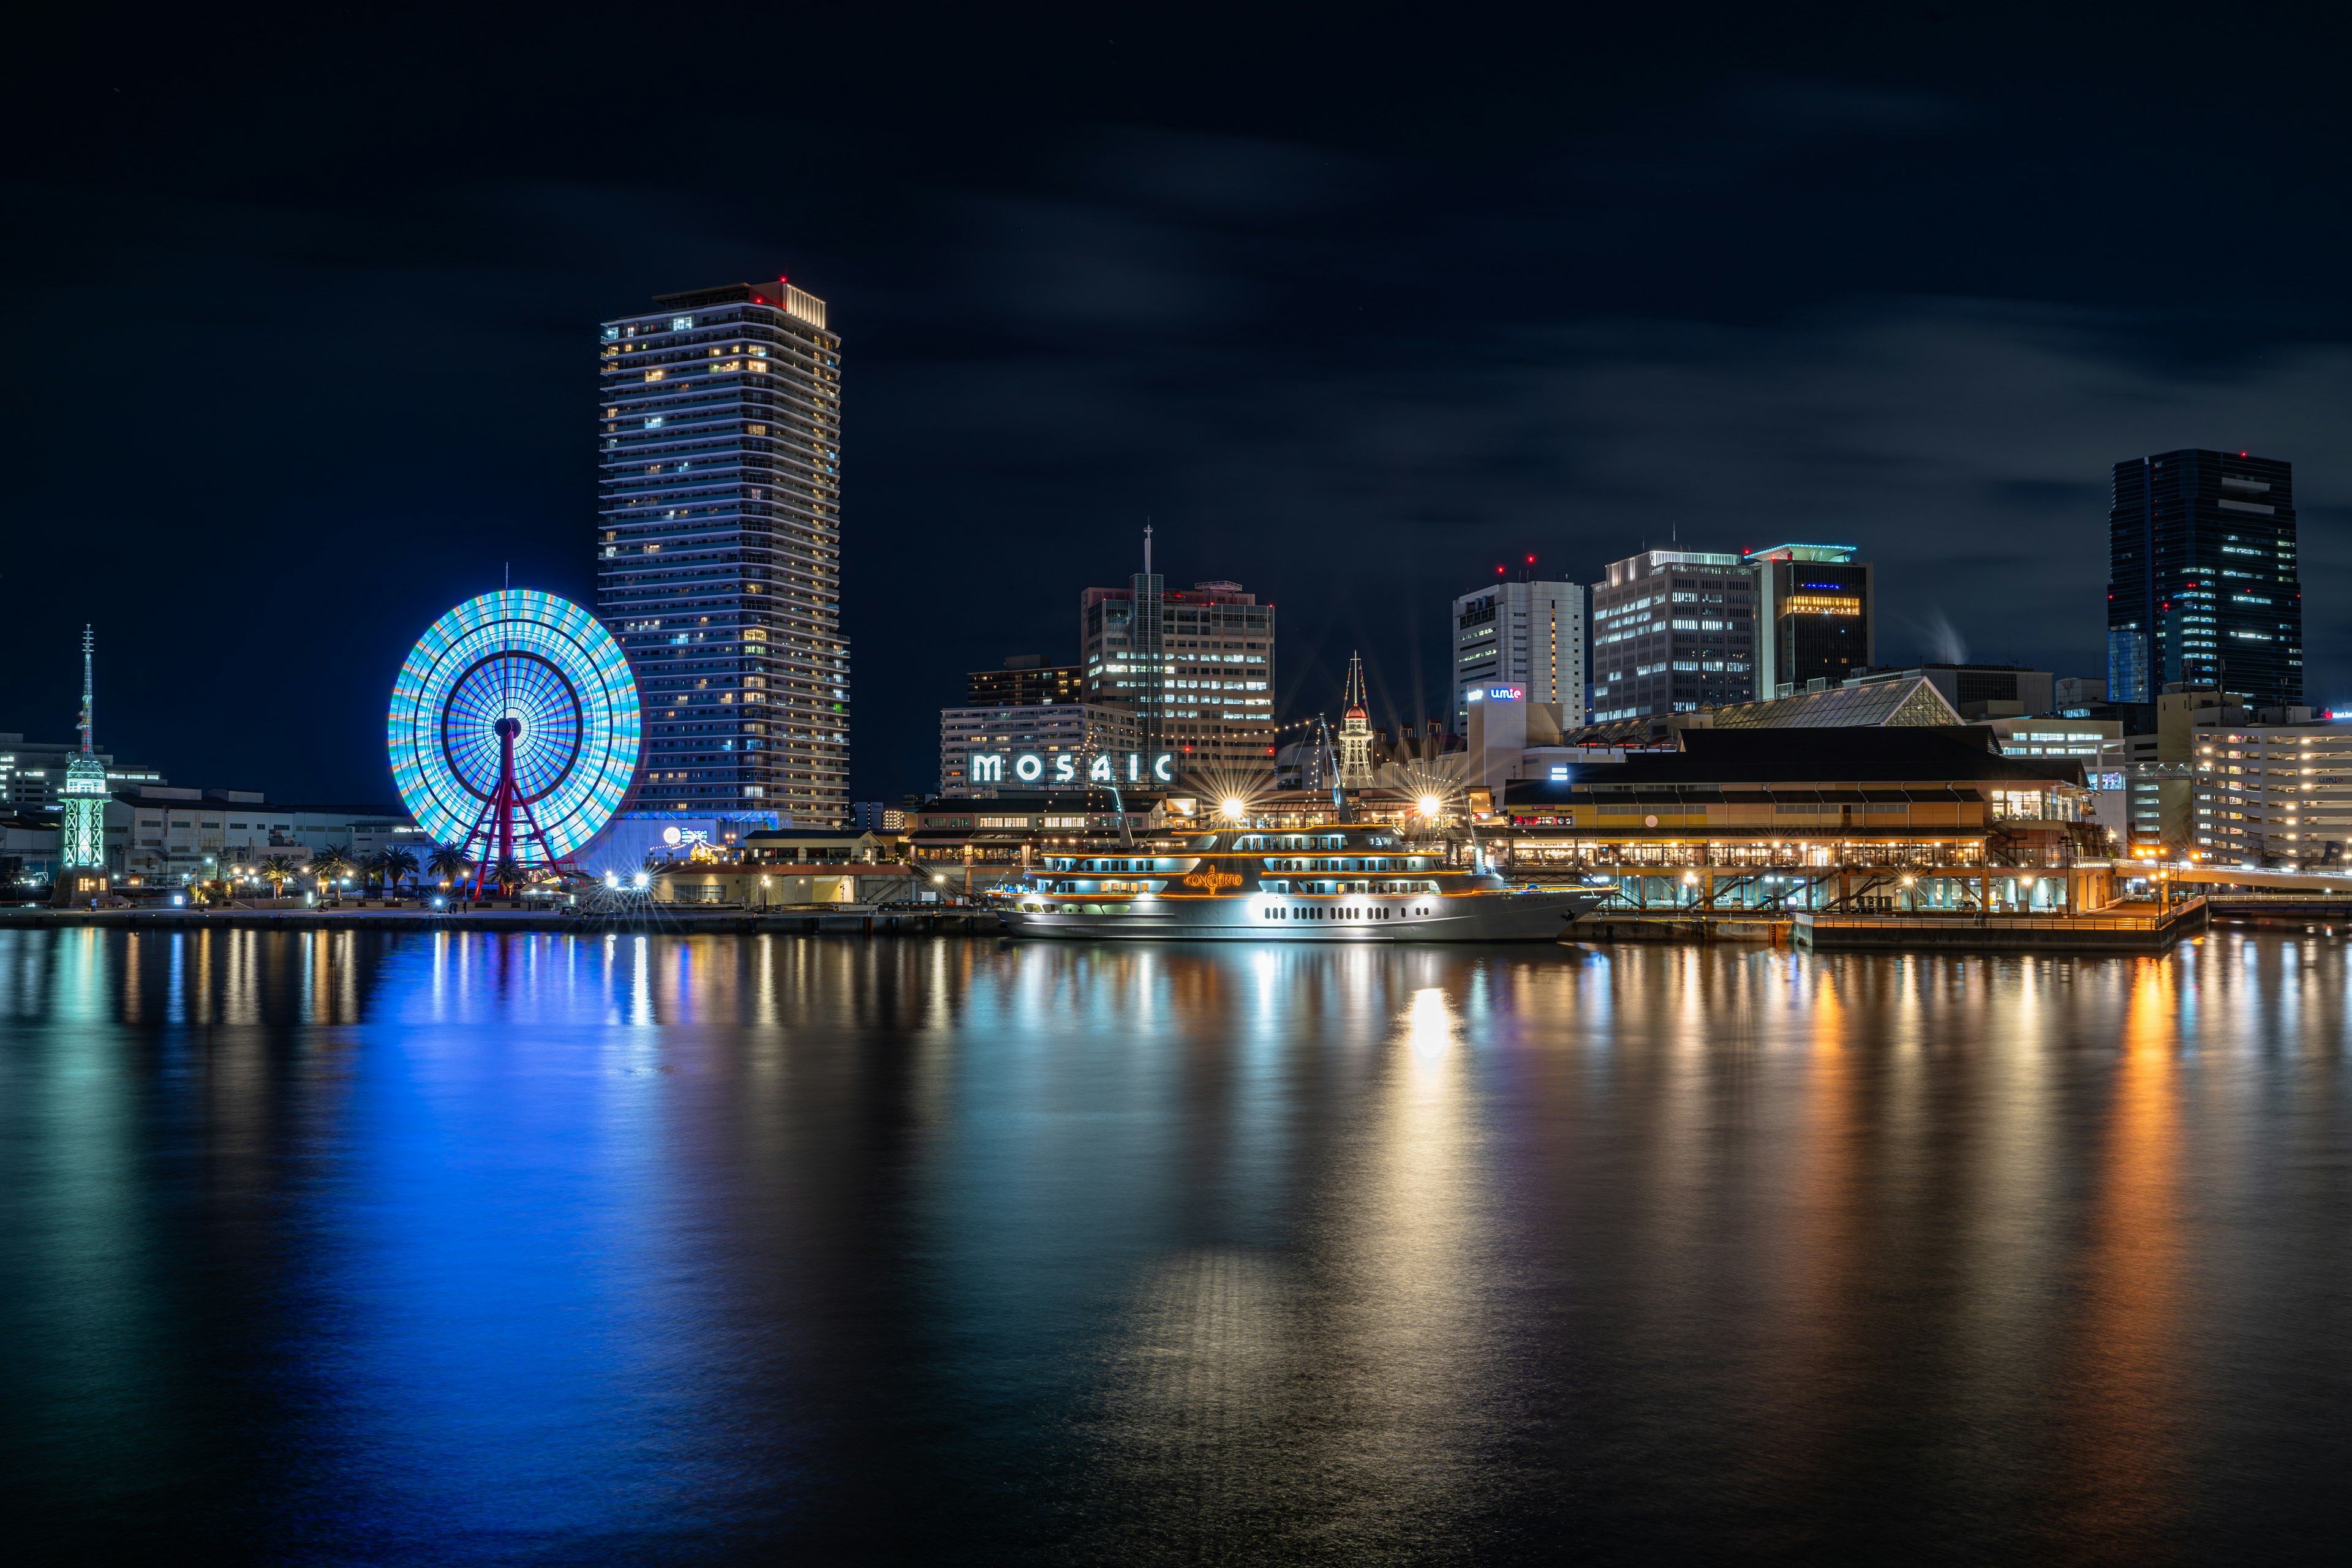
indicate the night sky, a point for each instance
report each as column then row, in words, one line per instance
column 1351, row 305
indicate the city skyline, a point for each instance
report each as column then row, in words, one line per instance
column 1132, row 309
column 1047, row 785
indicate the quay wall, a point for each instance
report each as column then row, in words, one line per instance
column 880, row 922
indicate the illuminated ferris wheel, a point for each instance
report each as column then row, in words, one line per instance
column 514, row 725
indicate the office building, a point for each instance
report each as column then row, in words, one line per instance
column 719, row 549
column 2203, row 587
column 1527, row 633
column 2071, row 693
column 2231, row 785
column 157, row 833
column 1673, row 631
column 1195, row 666
column 1816, row 618
column 2272, row 794
column 33, row 774
column 1049, row 730
column 1026, row 681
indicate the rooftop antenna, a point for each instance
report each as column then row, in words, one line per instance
column 510, row 574
column 1147, row 547
column 87, row 698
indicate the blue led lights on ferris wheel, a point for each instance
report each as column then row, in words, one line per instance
column 514, row 722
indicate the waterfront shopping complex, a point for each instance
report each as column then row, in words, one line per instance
column 1910, row 818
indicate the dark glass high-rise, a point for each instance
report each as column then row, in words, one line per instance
column 2203, row 588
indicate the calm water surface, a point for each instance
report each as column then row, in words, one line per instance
column 540, row 1250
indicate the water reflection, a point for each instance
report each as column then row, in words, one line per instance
column 488, row 1248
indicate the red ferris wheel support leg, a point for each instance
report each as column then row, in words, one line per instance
column 495, row 825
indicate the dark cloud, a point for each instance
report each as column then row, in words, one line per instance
column 1347, row 318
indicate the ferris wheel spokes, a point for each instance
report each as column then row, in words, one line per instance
column 495, row 824
column 514, row 729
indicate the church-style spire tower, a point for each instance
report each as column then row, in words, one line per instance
column 1355, row 730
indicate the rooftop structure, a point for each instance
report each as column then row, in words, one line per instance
column 1897, row 704
column 1977, row 691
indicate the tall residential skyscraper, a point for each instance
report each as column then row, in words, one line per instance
column 2203, row 588
column 1530, row 633
column 1673, row 631
column 719, row 553
column 1815, row 620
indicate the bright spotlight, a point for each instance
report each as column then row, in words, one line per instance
column 1235, row 808
column 639, row 880
column 1431, row 805
column 612, row 879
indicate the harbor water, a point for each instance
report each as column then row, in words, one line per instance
column 455, row 1248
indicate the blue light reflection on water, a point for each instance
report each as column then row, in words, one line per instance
column 523, row 1249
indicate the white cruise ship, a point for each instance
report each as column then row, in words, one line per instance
column 1339, row 883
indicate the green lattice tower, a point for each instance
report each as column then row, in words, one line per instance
column 82, row 810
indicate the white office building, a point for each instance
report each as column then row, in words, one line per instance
column 2276, row 794
column 1529, row 635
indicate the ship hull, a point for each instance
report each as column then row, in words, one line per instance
column 1478, row 917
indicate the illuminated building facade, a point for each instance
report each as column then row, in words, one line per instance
column 2274, row 795
column 1673, row 631
column 2203, row 586
column 1816, row 617
column 1026, row 679
column 1049, row 730
column 1526, row 634
column 719, row 549
column 1196, row 667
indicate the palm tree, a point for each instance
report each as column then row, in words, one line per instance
column 328, row 864
column 446, row 863
column 393, row 863
column 278, row 870
column 509, row 876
